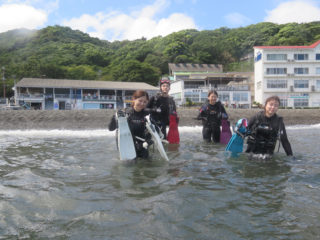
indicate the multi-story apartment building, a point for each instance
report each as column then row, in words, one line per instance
column 193, row 81
column 291, row 72
column 53, row 94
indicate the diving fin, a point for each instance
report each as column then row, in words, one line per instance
column 235, row 144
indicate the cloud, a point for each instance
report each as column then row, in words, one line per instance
column 137, row 24
column 294, row 11
column 14, row 16
column 237, row 19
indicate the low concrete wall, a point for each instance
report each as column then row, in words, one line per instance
column 99, row 119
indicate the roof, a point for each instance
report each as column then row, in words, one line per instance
column 290, row 47
column 67, row 83
column 191, row 67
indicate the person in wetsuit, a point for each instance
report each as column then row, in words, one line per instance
column 211, row 114
column 137, row 123
column 265, row 128
column 161, row 106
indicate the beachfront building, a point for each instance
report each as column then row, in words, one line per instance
column 291, row 72
column 191, row 82
column 49, row 94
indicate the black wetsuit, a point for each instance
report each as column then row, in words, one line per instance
column 137, row 125
column 167, row 107
column 263, row 133
column 211, row 120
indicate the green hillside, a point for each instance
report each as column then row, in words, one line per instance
column 60, row 52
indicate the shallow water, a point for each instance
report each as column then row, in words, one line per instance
column 71, row 185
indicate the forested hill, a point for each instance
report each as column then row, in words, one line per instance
column 60, row 52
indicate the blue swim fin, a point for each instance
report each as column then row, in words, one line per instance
column 235, row 145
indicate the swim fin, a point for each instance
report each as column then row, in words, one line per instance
column 173, row 133
column 235, row 144
column 226, row 134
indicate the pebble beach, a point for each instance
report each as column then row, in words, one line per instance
column 99, row 119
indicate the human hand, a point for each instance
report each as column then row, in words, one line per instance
column 145, row 145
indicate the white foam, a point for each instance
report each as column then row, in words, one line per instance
column 301, row 127
column 57, row 133
column 106, row 133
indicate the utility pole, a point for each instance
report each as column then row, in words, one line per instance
column 4, row 83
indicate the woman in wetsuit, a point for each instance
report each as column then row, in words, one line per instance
column 265, row 128
column 211, row 114
column 137, row 123
column 161, row 106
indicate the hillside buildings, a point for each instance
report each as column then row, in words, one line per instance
column 291, row 72
column 49, row 94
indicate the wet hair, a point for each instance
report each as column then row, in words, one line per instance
column 272, row 98
column 138, row 94
column 212, row 92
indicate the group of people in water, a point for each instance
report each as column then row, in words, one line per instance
column 263, row 130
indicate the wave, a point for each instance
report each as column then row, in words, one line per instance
column 65, row 133
column 57, row 133
column 301, row 127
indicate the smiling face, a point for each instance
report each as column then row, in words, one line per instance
column 140, row 103
column 271, row 108
column 212, row 98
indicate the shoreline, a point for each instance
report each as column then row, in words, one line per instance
column 99, row 119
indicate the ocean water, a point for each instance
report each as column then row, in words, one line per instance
column 64, row 184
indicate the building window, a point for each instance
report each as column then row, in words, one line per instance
column 318, row 70
column 194, row 97
column 193, row 85
column 301, row 102
column 283, row 102
column 224, row 97
column 272, row 71
column 274, row 57
column 301, row 56
column 301, row 84
column 243, row 97
column 318, row 84
column 318, row 56
column 301, row 70
column 277, row 84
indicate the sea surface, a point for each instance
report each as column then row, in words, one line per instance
column 62, row 184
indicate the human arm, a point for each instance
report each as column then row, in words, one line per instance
column 113, row 125
column 284, row 140
column 224, row 114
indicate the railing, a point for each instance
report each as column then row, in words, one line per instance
column 101, row 98
column 107, row 97
column 28, row 95
column 234, row 88
column 223, row 88
column 62, row 95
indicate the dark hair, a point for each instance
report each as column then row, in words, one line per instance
column 212, row 92
column 138, row 94
column 272, row 98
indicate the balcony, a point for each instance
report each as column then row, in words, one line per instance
column 64, row 96
column 31, row 95
column 101, row 98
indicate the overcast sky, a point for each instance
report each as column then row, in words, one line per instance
column 131, row 19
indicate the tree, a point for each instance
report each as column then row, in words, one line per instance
column 135, row 71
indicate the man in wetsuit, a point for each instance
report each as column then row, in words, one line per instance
column 162, row 106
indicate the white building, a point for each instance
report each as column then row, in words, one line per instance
column 61, row 94
column 290, row 72
column 193, row 81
